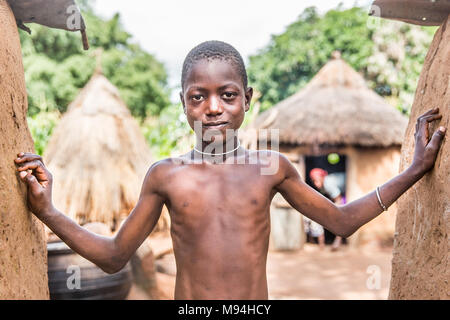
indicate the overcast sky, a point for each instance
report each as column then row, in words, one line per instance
column 170, row 28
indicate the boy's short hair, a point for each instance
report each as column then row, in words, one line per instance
column 212, row 50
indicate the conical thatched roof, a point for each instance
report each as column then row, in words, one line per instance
column 98, row 156
column 336, row 108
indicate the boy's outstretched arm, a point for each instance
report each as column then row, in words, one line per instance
column 345, row 220
column 109, row 253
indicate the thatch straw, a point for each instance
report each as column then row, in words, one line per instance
column 336, row 108
column 98, row 156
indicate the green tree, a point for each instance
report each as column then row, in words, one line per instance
column 41, row 127
column 397, row 58
column 56, row 67
column 292, row 58
column 168, row 134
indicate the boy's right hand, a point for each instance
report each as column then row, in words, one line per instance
column 426, row 146
column 39, row 181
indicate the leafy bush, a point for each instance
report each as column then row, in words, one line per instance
column 41, row 127
column 56, row 67
column 169, row 134
column 390, row 55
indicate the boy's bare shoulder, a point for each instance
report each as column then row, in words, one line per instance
column 159, row 172
column 272, row 163
column 269, row 156
column 163, row 167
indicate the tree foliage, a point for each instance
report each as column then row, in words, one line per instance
column 389, row 55
column 56, row 67
column 169, row 134
column 41, row 127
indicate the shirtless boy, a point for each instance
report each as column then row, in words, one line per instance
column 219, row 210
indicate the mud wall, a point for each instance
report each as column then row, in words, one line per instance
column 420, row 265
column 367, row 169
column 23, row 253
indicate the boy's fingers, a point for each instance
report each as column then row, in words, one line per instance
column 38, row 170
column 423, row 130
column 37, row 167
column 33, row 165
column 432, row 117
column 437, row 138
column 30, row 181
column 427, row 116
column 422, row 124
column 425, row 120
column 28, row 157
column 25, row 176
column 435, row 110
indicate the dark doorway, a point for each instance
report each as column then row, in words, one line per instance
column 332, row 163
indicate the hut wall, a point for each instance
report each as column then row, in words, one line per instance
column 367, row 169
column 420, row 265
column 23, row 252
column 286, row 226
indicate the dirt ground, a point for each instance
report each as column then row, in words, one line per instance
column 325, row 275
column 311, row 274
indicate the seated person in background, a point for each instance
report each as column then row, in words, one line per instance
column 331, row 186
column 314, row 230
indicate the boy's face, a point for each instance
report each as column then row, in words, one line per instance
column 214, row 95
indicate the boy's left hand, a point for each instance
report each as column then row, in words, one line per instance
column 426, row 150
column 38, row 179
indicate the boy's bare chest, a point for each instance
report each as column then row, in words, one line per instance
column 204, row 190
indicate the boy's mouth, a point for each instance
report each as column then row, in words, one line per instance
column 215, row 125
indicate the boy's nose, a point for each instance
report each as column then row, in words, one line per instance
column 214, row 107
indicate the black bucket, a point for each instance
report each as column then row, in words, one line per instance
column 72, row 277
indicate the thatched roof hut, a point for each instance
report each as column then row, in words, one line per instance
column 337, row 113
column 335, row 109
column 98, row 156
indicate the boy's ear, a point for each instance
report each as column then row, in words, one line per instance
column 182, row 101
column 248, row 98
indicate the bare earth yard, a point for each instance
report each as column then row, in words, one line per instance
column 309, row 274
column 314, row 274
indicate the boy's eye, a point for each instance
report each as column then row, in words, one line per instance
column 229, row 95
column 197, row 97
